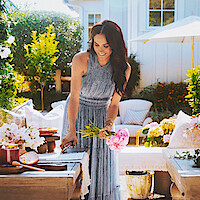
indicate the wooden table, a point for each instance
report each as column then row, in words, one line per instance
column 50, row 185
column 184, row 175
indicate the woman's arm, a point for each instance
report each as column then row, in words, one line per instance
column 79, row 67
column 113, row 108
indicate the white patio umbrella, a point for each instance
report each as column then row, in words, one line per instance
column 184, row 30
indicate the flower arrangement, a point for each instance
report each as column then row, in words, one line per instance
column 158, row 134
column 10, row 133
column 116, row 141
column 194, row 125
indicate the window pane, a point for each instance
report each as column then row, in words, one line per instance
column 155, row 4
column 168, row 4
column 97, row 18
column 91, row 20
column 154, row 18
column 168, row 17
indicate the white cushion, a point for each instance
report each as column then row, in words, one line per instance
column 57, row 103
column 21, row 108
column 133, row 104
column 131, row 128
column 148, row 120
column 178, row 138
column 135, row 117
column 52, row 119
column 16, row 115
column 12, row 117
column 117, row 120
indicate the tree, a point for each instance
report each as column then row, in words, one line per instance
column 40, row 59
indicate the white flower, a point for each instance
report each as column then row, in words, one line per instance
column 4, row 52
column 11, row 39
column 10, row 133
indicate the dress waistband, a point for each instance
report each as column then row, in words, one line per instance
column 94, row 102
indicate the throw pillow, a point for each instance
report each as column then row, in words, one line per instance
column 53, row 119
column 179, row 139
column 135, row 117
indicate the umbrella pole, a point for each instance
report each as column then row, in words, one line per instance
column 192, row 51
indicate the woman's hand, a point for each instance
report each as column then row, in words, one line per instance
column 107, row 127
column 102, row 133
column 70, row 138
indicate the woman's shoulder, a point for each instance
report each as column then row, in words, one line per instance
column 82, row 57
column 80, row 61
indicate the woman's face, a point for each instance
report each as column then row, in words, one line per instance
column 102, row 48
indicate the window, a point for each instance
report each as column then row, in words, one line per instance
column 161, row 12
column 92, row 19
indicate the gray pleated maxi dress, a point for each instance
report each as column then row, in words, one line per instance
column 96, row 91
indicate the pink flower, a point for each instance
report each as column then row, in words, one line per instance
column 166, row 138
column 118, row 141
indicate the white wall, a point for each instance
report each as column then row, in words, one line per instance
column 115, row 10
column 165, row 62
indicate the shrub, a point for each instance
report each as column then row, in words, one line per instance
column 68, row 33
column 193, row 88
column 134, row 77
column 10, row 81
column 167, row 99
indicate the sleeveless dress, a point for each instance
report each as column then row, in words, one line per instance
column 96, row 91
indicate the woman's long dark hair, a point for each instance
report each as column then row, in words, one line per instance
column 118, row 58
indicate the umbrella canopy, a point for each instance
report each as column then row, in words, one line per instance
column 184, row 30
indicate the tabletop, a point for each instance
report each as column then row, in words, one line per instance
column 36, row 185
column 184, row 174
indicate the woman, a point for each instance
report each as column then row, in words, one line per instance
column 99, row 78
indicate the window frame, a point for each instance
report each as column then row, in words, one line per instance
column 91, row 13
column 162, row 10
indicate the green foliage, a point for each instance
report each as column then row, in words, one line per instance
column 154, row 142
column 158, row 116
column 68, row 33
column 187, row 155
column 10, row 82
column 40, row 58
column 134, row 77
column 167, row 99
column 194, row 89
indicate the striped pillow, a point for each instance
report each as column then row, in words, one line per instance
column 135, row 116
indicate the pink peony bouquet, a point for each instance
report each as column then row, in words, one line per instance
column 119, row 140
column 116, row 141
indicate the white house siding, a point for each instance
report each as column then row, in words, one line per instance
column 88, row 7
column 118, row 10
column 115, row 10
column 164, row 62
